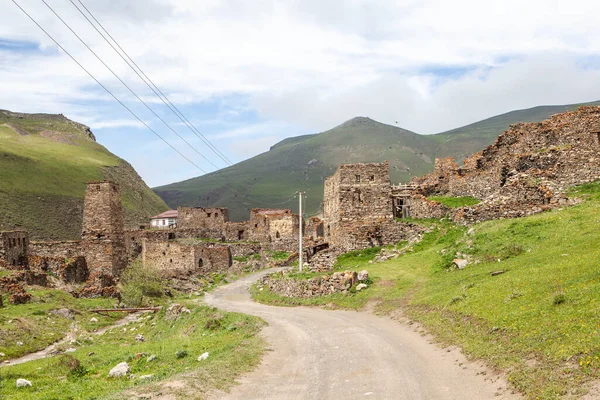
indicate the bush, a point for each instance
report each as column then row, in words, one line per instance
column 139, row 285
column 181, row 354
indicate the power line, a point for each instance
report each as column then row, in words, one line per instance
column 104, row 87
column 146, row 79
column 127, row 86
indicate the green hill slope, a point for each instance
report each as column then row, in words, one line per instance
column 45, row 162
column 301, row 163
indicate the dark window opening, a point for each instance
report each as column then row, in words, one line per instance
column 503, row 176
column 99, row 236
column 256, row 225
column 357, row 178
column 372, row 178
column 216, row 215
column 200, row 263
column 164, row 253
column 170, row 260
column 14, row 262
column 171, row 236
column 598, row 137
column 208, row 215
column 240, row 235
column 277, row 235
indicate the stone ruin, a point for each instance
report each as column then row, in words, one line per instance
column 205, row 241
column 95, row 261
column 358, row 208
column 527, row 170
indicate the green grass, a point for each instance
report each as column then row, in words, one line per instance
column 36, row 327
column 230, row 338
column 538, row 321
column 42, row 180
column 455, row 202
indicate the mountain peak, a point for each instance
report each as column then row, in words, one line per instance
column 358, row 121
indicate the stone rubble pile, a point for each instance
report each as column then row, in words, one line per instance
column 337, row 282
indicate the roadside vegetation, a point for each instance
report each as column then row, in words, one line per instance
column 527, row 303
column 158, row 347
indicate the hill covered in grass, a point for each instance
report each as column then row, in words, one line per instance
column 302, row 163
column 45, row 162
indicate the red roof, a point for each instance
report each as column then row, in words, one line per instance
column 166, row 214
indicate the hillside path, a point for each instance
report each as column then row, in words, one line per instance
column 323, row 354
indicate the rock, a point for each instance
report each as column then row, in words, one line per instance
column 203, row 356
column 139, row 338
column 2, row 355
column 151, row 358
column 23, row 383
column 63, row 312
column 363, row 275
column 360, row 287
column 460, row 263
column 19, row 343
column 93, row 319
column 145, row 377
column 121, row 369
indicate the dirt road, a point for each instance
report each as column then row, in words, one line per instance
column 322, row 354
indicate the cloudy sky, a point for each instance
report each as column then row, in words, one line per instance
column 249, row 73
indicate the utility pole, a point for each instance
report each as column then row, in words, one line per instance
column 300, row 222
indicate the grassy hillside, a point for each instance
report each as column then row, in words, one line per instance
column 45, row 162
column 537, row 321
column 301, row 163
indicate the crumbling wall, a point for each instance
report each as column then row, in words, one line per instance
column 173, row 259
column 199, row 217
column 527, row 169
column 420, row 207
column 14, row 247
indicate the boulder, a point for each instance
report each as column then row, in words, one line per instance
column 139, row 338
column 21, row 383
column 360, row 287
column 203, row 356
column 363, row 275
column 93, row 319
column 151, row 358
column 460, row 263
column 120, row 370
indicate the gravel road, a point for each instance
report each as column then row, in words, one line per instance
column 323, row 354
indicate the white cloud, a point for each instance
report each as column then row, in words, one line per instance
column 309, row 64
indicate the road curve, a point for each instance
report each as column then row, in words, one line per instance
column 323, row 354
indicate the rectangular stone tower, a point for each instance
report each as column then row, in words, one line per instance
column 103, row 242
column 356, row 196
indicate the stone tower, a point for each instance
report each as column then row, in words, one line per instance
column 102, row 235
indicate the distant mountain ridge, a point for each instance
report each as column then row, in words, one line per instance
column 45, row 162
column 303, row 162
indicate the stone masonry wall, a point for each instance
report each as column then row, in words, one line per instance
column 526, row 170
column 173, row 259
column 199, row 217
column 102, row 237
column 14, row 247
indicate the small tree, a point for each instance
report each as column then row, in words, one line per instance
column 140, row 284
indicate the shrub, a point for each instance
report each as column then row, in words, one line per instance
column 181, row 354
column 139, row 285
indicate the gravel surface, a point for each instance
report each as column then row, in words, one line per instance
column 324, row 354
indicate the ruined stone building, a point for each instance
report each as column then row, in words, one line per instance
column 359, row 210
column 14, row 247
column 527, row 170
column 102, row 236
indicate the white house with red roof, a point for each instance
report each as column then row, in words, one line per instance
column 167, row 219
